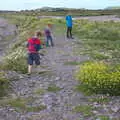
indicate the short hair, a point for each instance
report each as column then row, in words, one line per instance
column 49, row 25
column 38, row 33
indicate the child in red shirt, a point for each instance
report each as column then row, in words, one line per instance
column 33, row 45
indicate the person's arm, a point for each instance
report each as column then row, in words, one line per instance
column 39, row 45
column 66, row 17
column 27, row 43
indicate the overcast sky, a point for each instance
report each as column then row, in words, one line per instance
column 34, row 4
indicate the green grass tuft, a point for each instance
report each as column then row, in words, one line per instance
column 4, row 84
column 53, row 88
column 40, row 91
column 72, row 63
column 86, row 110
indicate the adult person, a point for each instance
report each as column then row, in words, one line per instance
column 69, row 25
column 33, row 45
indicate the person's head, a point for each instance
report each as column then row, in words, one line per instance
column 49, row 25
column 38, row 34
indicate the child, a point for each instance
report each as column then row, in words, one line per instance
column 33, row 45
column 48, row 35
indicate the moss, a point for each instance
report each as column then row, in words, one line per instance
column 36, row 109
column 53, row 88
column 72, row 63
column 86, row 110
column 40, row 91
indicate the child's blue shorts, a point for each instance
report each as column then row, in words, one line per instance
column 33, row 57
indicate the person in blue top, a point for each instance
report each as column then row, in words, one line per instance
column 69, row 26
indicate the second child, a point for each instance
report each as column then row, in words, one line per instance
column 48, row 36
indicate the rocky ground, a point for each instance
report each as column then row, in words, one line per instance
column 52, row 86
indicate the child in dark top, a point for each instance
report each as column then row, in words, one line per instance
column 48, row 35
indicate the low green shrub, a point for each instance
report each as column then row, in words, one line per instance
column 97, row 30
column 16, row 61
column 100, row 78
column 3, row 84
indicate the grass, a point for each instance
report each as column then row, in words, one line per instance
column 84, row 89
column 102, row 44
column 40, row 91
column 102, row 117
column 100, row 100
column 99, row 42
column 86, row 110
column 99, row 56
column 53, row 88
column 36, row 108
column 72, row 63
column 44, row 72
column 18, row 104
column 4, row 84
column 21, row 105
column 9, row 37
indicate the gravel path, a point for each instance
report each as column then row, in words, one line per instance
column 60, row 102
column 101, row 18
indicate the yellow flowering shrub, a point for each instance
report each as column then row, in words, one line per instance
column 100, row 78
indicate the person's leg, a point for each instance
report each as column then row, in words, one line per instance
column 37, row 62
column 51, row 40
column 37, row 59
column 68, row 32
column 29, row 69
column 30, row 63
column 71, row 32
column 47, row 41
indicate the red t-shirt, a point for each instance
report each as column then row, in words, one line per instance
column 33, row 45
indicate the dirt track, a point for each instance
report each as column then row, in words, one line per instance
column 101, row 18
column 91, row 18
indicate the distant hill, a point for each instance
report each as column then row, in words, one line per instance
column 53, row 9
column 112, row 8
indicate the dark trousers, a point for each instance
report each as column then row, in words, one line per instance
column 69, row 32
column 49, row 38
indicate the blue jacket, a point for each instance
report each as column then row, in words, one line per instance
column 69, row 21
